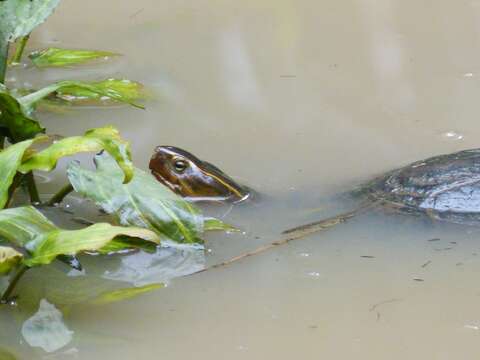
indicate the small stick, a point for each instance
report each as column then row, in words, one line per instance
column 60, row 195
column 426, row 264
column 294, row 234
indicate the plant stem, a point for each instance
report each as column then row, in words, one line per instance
column 17, row 57
column 11, row 286
column 60, row 195
column 32, row 188
column 3, row 59
column 17, row 180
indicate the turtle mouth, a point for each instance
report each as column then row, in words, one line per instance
column 165, row 182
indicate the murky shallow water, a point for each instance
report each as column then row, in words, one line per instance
column 301, row 100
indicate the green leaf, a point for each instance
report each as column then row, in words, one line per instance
column 123, row 90
column 57, row 57
column 28, row 228
column 46, row 247
column 124, row 294
column 109, row 89
column 15, row 120
column 21, row 225
column 121, row 243
column 19, row 17
column 143, row 202
column 10, row 160
column 9, row 258
column 105, row 138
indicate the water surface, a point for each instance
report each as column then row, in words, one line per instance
column 300, row 100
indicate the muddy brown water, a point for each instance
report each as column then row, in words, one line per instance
column 301, row 100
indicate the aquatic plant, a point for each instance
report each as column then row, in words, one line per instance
column 143, row 212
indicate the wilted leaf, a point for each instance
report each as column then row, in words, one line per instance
column 56, row 57
column 143, row 202
column 125, row 90
column 15, row 120
column 28, row 228
column 19, row 17
column 46, row 329
column 105, row 138
column 46, row 247
column 124, row 294
column 9, row 258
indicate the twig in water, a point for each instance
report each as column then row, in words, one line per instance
column 426, row 264
column 293, row 234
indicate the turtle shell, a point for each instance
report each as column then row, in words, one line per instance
column 446, row 187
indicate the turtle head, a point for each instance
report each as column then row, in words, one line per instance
column 193, row 178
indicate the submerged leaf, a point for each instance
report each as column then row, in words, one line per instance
column 19, row 17
column 171, row 260
column 105, row 138
column 102, row 89
column 143, row 202
column 124, row 294
column 15, row 120
column 6, row 355
column 46, row 247
column 124, row 90
column 9, row 258
column 212, row 224
column 57, row 57
column 46, row 329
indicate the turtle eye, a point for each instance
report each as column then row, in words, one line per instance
column 180, row 165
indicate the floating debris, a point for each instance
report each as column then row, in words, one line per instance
column 426, row 264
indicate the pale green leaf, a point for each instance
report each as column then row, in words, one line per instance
column 46, row 247
column 57, row 57
column 143, row 202
column 28, row 228
column 211, row 224
column 124, row 294
column 123, row 90
column 10, row 160
column 102, row 89
column 19, row 17
column 9, row 258
column 105, row 138
column 21, row 225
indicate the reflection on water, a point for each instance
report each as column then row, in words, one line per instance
column 301, row 100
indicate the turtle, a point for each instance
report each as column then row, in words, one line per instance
column 444, row 187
